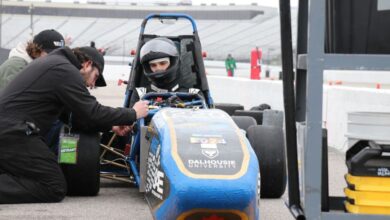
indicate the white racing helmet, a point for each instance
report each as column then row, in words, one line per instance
column 160, row 48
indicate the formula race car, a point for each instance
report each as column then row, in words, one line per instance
column 191, row 160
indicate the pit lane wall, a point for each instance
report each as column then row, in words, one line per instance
column 337, row 101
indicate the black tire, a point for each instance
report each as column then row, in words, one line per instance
column 83, row 178
column 257, row 115
column 268, row 144
column 228, row 107
column 273, row 118
column 261, row 107
column 244, row 122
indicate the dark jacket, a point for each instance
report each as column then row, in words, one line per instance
column 50, row 84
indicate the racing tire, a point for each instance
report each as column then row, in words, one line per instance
column 83, row 178
column 228, row 107
column 268, row 144
column 273, row 118
column 244, row 122
column 257, row 115
column 261, row 107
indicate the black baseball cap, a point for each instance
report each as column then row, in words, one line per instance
column 49, row 40
column 98, row 60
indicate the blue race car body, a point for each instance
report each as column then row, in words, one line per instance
column 200, row 165
column 192, row 161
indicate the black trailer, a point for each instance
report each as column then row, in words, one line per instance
column 332, row 35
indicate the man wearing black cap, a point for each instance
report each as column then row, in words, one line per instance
column 28, row 106
column 42, row 44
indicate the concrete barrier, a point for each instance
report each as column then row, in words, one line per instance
column 338, row 100
column 246, row 92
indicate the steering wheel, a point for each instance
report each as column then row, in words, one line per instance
column 158, row 101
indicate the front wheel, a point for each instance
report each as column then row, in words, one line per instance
column 268, row 144
column 244, row 122
column 83, row 178
column 228, row 107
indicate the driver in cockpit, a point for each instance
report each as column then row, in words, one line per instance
column 159, row 58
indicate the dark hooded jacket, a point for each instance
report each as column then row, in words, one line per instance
column 47, row 86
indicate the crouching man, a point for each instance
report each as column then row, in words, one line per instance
column 29, row 171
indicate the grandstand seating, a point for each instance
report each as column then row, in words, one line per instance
column 222, row 29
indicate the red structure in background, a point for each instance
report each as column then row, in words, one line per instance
column 256, row 55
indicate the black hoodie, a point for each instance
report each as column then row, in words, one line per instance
column 48, row 85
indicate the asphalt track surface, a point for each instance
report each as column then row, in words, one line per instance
column 122, row 201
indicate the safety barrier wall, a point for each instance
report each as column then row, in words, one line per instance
column 337, row 101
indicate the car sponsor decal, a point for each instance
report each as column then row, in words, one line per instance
column 207, row 144
column 156, row 186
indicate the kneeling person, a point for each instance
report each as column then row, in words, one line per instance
column 29, row 171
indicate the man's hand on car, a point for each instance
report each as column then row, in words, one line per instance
column 141, row 108
column 121, row 130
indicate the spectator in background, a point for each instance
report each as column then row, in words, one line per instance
column 42, row 44
column 230, row 64
column 92, row 44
